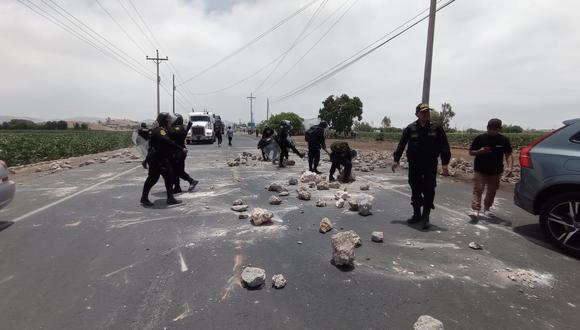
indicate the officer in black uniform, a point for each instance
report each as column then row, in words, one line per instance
column 284, row 143
column 316, row 141
column 341, row 155
column 178, row 133
column 425, row 142
column 145, row 134
column 161, row 150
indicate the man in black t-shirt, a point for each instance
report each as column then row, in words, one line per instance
column 489, row 150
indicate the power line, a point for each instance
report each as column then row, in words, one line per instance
column 121, row 27
column 144, row 23
column 138, row 26
column 51, row 18
column 337, row 68
column 314, row 15
column 251, row 42
column 316, row 43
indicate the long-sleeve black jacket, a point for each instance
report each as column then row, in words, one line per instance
column 161, row 146
column 424, row 144
column 178, row 133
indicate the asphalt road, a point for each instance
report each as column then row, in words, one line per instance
column 77, row 251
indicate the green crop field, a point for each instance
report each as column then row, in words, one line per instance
column 26, row 147
column 518, row 140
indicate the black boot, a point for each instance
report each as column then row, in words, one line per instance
column 146, row 202
column 416, row 215
column 192, row 185
column 425, row 218
column 177, row 190
column 172, row 201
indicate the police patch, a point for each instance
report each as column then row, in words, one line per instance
column 162, row 132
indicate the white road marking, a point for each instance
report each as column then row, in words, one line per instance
column 182, row 263
column 29, row 214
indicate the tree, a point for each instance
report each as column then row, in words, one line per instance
column 512, row 129
column 444, row 117
column 340, row 112
column 296, row 121
column 61, row 124
column 77, row 126
column 363, row 126
column 84, row 126
column 386, row 122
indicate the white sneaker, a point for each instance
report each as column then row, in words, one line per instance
column 488, row 214
column 473, row 213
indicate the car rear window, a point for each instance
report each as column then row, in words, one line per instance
column 575, row 138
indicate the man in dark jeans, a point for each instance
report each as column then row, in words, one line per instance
column 426, row 142
column 489, row 150
column 341, row 155
column 316, row 141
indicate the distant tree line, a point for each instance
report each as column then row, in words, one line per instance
column 23, row 124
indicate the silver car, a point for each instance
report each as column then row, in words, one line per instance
column 550, row 184
column 7, row 187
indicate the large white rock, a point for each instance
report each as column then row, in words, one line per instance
column 261, row 216
column 364, row 207
column 377, row 236
column 343, row 245
column 325, row 225
column 308, row 177
column 304, row 195
column 340, row 203
column 426, row 322
column 253, row 277
column 322, row 185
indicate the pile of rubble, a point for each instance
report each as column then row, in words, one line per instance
column 255, row 278
column 368, row 161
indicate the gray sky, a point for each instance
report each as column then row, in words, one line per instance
column 516, row 60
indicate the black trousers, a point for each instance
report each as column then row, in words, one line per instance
column 313, row 157
column 423, row 180
column 157, row 168
column 343, row 160
column 179, row 170
column 219, row 138
column 283, row 153
column 229, row 140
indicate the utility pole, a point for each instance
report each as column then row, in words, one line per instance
column 157, row 60
column 429, row 55
column 251, row 98
column 173, row 94
column 267, row 108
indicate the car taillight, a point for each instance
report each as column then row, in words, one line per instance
column 525, row 157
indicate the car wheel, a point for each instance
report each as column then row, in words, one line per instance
column 560, row 221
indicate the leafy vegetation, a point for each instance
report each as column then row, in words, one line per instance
column 295, row 120
column 340, row 111
column 26, row 147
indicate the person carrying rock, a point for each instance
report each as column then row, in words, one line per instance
column 425, row 142
column 285, row 142
column 178, row 133
column 218, row 128
column 230, row 135
column 341, row 156
column 315, row 138
column 161, row 150
column 489, row 150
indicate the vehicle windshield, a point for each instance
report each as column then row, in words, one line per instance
column 199, row 118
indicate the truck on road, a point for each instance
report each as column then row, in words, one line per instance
column 201, row 128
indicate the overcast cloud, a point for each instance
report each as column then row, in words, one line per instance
column 516, row 60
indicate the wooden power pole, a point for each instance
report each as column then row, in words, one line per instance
column 157, row 60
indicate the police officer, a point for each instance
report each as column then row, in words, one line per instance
column 341, row 155
column 267, row 134
column 315, row 138
column 284, row 142
column 218, row 129
column 425, row 142
column 161, row 149
column 178, row 133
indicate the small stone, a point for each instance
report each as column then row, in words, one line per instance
column 334, row 185
column 321, row 203
column 426, row 322
column 311, row 184
column 353, row 205
column 343, row 245
column 275, row 200
column 283, row 194
column 253, row 277
column 365, row 187
column 308, row 177
column 292, row 181
column 261, row 216
column 278, row 281
column 325, row 225
column 377, row 236
column 341, row 195
column 340, row 203
column 323, row 185
column 364, row 208
column 243, row 216
column 299, row 242
column 240, row 208
column 475, row 246
column 275, row 187
column 238, row 202
column 303, row 195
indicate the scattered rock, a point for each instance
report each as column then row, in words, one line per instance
column 303, row 195
column 426, row 322
column 322, row 185
column 275, row 200
column 275, row 187
column 340, row 203
column 341, row 195
column 238, row 202
column 325, row 225
column 377, row 236
column 364, row 207
column 308, row 177
column 292, row 181
column 233, row 163
column 103, row 159
column 253, row 277
column 240, row 208
column 311, row 184
column 343, row 245
column 334, row 185
column 278, row 281
column 89, row 162
column 261, row 216
column 353, row 205
column 365, row 187
column 475, row 246
column 243, row 216
column 283, row 194
column 321, row 203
